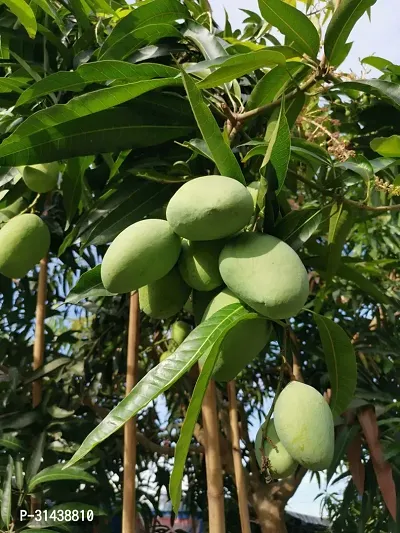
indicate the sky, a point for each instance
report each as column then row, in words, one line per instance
column 380, row 37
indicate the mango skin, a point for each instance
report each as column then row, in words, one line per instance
column 165, row 355
column 304, row 424
column 141, row 254
column 179, row 331
column 265, row 273
column 277, row 459
column 241, row 344
column 25, row 240
column 210, row 208
column 41, row 178
column 165, row 297
column 198, row 264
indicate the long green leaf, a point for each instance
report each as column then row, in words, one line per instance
column 72, row 185
column 111, row 130
column 298, row 226
column 36, row 458
column 163, row 376
column 5, row 510
column 89, row 285
column 340, row 225
column 341, row 362
column 96, row 72
column 58, row 473
column 24, row 14
column 208, row 44
column 241, row 64
column 344, row 438
column 387, row 90
column 343, row 21
column 224, row 159
column 47, row 369
column 8, row 441
column 293, row 24
column 144, row 25
column 387, row 146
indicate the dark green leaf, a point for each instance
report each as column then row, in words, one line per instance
column 200, row 147
column 360, row 165
column 7, row 494
column 24, row 14
column 58, row 473
column 340, row 224
column 222, row 154
column 72, row 185
column 387, row 146
column 381, row 163
column 160, row 378
column 343, row 21
column 36, row 458
column 298, row 226
column 8, row 441
column 293, row 24
column 384, row 89
column 310, row 151
column 236, row 66
column 344, row 438
column 47, row 369
column 89, row 285
column 96, row 72
column 341, row 362
column 144, row 25
column 20, row 421
column 369, row 287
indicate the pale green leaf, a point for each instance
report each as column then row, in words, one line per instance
column 387, row 146
column 24, row 14
column 58, row 473
column 89, row 285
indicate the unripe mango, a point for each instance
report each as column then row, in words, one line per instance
column 13, row 209
column 253, row 189
column 198, row 264
column 165, row 297
column 272, row 457
column 210, row 208
column 304, row 424
column 241, row 344
column 265, row 273
column 141, row 254
column 25, row 240
column 179, row 331
column 165, row 355
column 41, row 178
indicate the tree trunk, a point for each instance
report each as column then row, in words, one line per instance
column 270, row 513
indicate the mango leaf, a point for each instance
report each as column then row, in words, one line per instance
column 272, row 85
column 208, row 44
column 340, row 224
column 5, row 510
column 35, row 458
column 345, row 437
column 278, row 150
column 8, row 441
column 89, row 285
column 200, row 147
column 144, row 25
column 240, row 64
column 46, row 521
column 387, row 90
column 381, row 163
column 72, row 184
column 96, row 72
column 111, row 130
column 387, row 146
column 20, row 421
column 341, row 363
column 350, row 273
column 222, row 154
column 310, row 152
column 377, row 62
column 164, row 375
column 298, row 226
column 293, row 24
column 24, row 14
column 47, row 369
column 359, row 165
column 343, row 21
column 58, row 473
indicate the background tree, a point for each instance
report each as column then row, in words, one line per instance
column 98, row 86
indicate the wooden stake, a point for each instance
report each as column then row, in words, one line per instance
column 38, row 346
column 129, row 494
column 237, row 460
column 215, row 488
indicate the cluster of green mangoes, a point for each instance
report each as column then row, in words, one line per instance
column 202, row 247
column 301, row 433
column 25, row 238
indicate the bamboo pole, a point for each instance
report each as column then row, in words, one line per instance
column 237, row 460
column 38, row 346
column 129, row 489
column 215, row 488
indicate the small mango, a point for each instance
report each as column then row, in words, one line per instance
column 25, row 240
column 141, row 254
column 272, row 457
column 179, row 331
column 165, row 355
column 165, row 297
column 210, row 208
column 41, row 178
column 266, row 273
column 304, row 424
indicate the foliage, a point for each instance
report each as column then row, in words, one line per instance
column 133, row 100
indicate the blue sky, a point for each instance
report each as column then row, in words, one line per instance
column 379, row 37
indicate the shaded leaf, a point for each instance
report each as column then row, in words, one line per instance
column 343, row 21
column 340, row 224
column 387, row 90
column 387, row 146
column 58, row 473
column 47, row 369
column 89, row 285
column 359, row 165
column 298, row 226
column 341, row 363
column 293, row 24
column 6, row 497
column 72, row 184
column 35, row 459
column 310, row 151
column 222, row 154
column 346, row 435
column 24, row 14
column 8, row 441
column 165, row 374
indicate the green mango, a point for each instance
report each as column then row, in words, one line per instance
column 272, row 457
column 41, row 178
column 198, row 264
